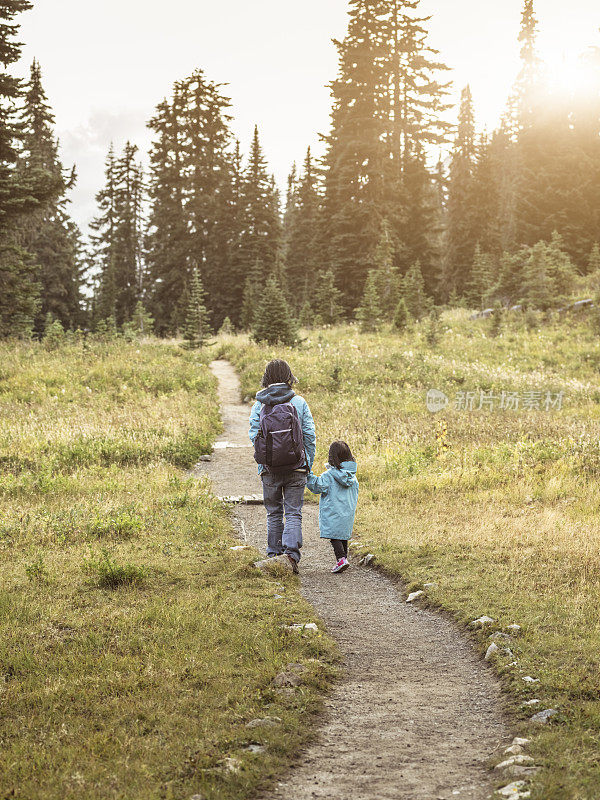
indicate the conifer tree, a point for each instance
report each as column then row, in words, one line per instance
column 488, row 176
column 141, row 321
column 593, row 263
column 252, row 293
column 401, row 316
column 354, row 162
column 524, row 103
column 387, row 274
column 21, row 193
column 306, row 317
column 210, row 204
column 168, row 249
column 102, row 240
column 226, row 328
column 327, row 299
column 198, row 204
column 368, row 314
column 262, row 228
column 302, row 246
column 462, row 211
column 482, row 281
column 413, row 292
column 433, row 331
column 117, row 238
column 197, row 327
column 273, row 322
column 418, row 103
column 509, row 287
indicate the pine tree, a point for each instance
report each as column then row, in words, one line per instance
column 354, row 162
column 302, row 250
column 593, row 264
column 401, row 316
column 19, row 298
column 128, row 233
column 262, row 228
column 368, row 314
column 387, row 274
column 462, row 211
column 433, row 330
column 327, row 299
column 102, row 240
column 416, row 123
column 482, row 281
column 252, row 294
column 226, row 328
column 306, row 317
column 21, row 192
column 413, row 292
column 509, row 287
column 273, row 323
column 141, row 322
column 548, row 275
column 524, row 103
column 117, row 238
column 198, row 205
column 168, row 247
column 210, row 206
column 488, row 176
column 197, row 327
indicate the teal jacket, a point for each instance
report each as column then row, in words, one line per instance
column 339, row 496
column 281, row 393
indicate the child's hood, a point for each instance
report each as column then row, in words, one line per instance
column 275, row 394
column 346, row 474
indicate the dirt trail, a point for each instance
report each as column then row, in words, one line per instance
column 418, row 714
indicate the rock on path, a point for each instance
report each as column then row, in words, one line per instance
column 418, row 715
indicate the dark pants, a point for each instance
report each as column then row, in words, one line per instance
column 284, row 498
column 340, row 548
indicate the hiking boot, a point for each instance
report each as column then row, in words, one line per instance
column 341, row 565
column 285, row 561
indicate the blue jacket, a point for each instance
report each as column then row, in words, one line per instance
column 281, row 393
column 339, row 496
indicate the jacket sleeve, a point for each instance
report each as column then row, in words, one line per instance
column 254, row 421
column 308, row 431
column 318, row 484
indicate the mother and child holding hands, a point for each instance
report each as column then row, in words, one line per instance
column 282, row 430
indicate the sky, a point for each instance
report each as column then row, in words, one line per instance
column 107, row 64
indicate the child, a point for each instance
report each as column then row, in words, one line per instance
column 338, row 488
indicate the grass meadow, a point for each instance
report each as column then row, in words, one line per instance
column 135, row 645
column 499, row 508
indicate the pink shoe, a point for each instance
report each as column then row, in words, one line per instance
column 341, row 565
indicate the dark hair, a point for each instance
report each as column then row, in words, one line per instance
column 339, row 452
column 278, row 371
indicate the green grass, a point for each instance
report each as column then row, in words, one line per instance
column 498, row 508
column 135, row 645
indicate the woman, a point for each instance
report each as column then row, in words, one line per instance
column 280, row 424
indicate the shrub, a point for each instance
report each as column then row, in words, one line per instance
column 36, row 571
column 107, row 574
column 54, row 335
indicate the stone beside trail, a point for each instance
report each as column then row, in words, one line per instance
column 418, row 715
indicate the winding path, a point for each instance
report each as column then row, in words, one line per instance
column 418, row 715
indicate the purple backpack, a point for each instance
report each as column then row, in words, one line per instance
column 279, row 445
